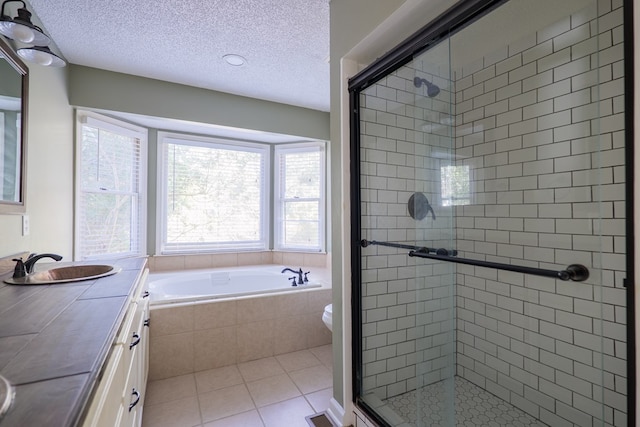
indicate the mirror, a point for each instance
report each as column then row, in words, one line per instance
column 14, row 78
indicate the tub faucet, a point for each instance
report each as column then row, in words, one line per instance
column 298, row 272
column 26, row 267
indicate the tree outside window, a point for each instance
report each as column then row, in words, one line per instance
column 456, row 185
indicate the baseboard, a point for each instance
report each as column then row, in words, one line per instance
column 336, row 412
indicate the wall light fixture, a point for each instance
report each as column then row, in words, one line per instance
column 21, row 29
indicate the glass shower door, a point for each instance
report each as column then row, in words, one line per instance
column 407, row 304
column 489, row 269
column 432, row 217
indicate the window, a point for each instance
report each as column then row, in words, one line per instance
column 213, row 194
column 10, row 155
column 2, row 157
column 456, row 187
column 299, row 197
column 110, row 188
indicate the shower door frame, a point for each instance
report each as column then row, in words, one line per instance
column 454, row 19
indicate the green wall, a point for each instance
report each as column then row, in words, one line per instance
column 92, row 88
column 50, row 138
column 107, row 90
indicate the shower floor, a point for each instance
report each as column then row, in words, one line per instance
column 473, row 407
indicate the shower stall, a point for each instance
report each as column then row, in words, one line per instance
column 489, row 232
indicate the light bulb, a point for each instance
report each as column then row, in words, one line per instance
column 23, row 33
column 42, row 58
column 41, row 55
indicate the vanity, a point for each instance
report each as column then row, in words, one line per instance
column 77, row 352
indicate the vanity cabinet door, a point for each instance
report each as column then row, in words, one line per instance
column 106, row 407
column 143, row 356
column 135, row 388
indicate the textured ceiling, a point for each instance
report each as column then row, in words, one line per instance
column 285, row 42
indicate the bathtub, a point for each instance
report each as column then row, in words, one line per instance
column 207, row 319
column 197, row 285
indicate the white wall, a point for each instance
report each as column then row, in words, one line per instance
column 49, row 195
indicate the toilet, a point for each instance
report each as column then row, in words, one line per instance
column 327, row 316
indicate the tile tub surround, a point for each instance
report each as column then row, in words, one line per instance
column 526, row 125
column 274, row 391
column 198, row 336
column 163, row 263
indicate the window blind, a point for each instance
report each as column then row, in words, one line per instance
column 215, row 195
column 110, row 200
column 300, row 197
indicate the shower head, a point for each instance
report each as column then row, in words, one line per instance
column 432, row 89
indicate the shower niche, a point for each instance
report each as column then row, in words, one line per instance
column 504, row 148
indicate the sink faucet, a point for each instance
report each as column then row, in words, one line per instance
column 24, row 268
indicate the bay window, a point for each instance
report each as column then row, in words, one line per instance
column 213, row 194
column 299, row 197
column 110, row 188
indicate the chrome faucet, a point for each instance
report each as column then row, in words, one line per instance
column 22, row 269
column 300, row 274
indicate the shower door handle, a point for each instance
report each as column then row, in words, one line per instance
column 439, row 251
column 574, row 272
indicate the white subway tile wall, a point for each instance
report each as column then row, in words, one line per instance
column 540, row 125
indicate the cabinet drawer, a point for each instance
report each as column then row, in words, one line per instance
column 142, row 291
column 132, row 316
column 135, row 332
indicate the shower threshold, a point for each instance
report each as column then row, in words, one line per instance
column 473, row 407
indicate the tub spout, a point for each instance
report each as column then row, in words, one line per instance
column 298, row 272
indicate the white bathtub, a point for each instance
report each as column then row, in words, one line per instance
column 195, row 285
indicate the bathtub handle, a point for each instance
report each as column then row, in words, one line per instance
column 136, row 340
column 147, row 322
column 145, row 294
column 293, row 281
column 305, row 277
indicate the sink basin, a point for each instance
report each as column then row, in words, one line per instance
column 73, row 273
column 7, row 393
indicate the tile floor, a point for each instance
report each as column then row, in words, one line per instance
column 271, row 392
